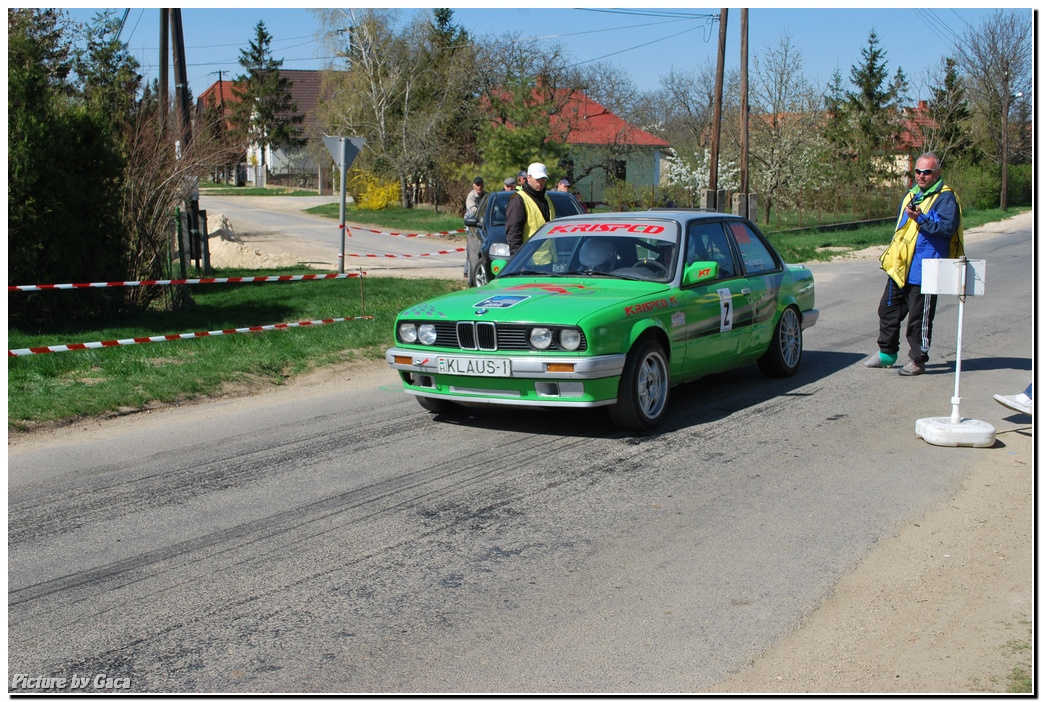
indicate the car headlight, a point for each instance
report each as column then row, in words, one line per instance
column 541, row 337
column 427, row 334
column 570, row 339
column 407, row 332
column 499, row 250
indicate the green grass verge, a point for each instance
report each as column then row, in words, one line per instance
column 824, row 246
column 61, row 386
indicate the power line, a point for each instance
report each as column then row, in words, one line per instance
column 593, row 31
column 651, row 13
column 633, row 48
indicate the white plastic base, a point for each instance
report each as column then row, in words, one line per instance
column 941, row 431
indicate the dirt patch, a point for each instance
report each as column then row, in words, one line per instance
column 230, row 250
column 944, row 606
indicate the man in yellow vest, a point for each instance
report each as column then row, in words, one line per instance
column 929, row 225
column 529, row 209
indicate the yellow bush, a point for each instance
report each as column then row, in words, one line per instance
column 371, row 192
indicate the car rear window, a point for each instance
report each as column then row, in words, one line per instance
column 565, row 206
column 755, row 254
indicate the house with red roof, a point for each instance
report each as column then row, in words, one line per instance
column 603, row 148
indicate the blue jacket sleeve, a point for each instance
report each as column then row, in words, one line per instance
column 942, row 220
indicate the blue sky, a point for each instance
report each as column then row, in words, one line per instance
column 643, row 42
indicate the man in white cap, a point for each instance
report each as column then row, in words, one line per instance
column 529, row 209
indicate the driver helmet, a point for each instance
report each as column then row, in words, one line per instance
column 596, row 253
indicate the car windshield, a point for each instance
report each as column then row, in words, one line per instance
column 648, row 253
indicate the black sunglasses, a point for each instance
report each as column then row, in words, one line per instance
column 927, row 171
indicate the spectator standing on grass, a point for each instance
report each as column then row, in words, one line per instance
column 929, row 225
column 564, row 185
column 510, row 185
column 474, row 197
column 529, row 209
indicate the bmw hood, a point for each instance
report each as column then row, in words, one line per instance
column 541, row 299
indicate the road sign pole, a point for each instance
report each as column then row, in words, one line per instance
column 343, row 150
column 343, row 200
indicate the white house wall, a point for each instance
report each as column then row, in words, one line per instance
column 642, row 169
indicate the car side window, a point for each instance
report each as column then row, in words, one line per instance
column 498, row 208
column 708, row 242
column 482, row 209
column 756, row 255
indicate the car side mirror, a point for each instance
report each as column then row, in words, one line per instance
column 470, row 221
column 700, row 272
column 497, row 266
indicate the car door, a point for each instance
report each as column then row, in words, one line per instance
column 763, row 273
column 714, row 311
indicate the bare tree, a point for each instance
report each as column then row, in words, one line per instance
column 156, row 180
column 945, row 129
column 785, row 125
column 613, row 88
column 405, row 90
column 996, row 56
column 362, row 99
column 687, row 97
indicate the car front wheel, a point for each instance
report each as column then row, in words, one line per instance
column 782, row 359
column 643, row 390
column 481, row 276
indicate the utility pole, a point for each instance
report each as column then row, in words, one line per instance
column 744, row 104
column 717, row 113
column 197, row 247
column 164, row 68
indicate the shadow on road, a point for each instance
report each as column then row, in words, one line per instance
column 705, row 400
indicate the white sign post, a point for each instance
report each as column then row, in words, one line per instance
column 962, row 277
column 343, row 150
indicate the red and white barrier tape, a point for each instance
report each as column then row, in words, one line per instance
column 174, row 337
column 412, row 236
column 184, row 281
column 436, row 253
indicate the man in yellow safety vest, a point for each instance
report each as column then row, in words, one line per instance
column 529, row 209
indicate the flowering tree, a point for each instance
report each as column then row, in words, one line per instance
column 693, row 175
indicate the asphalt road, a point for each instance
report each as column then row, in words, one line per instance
column 347, row 542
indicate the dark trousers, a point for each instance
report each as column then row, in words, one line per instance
column 919, row 309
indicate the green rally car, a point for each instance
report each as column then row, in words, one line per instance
column 610, row 310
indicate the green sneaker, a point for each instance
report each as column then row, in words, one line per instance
column 880, row 360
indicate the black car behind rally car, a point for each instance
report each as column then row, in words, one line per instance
column 486, row 232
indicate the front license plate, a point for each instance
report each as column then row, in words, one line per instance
column 472, row 365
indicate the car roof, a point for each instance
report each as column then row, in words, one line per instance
column 671, row 214
column 555, row 194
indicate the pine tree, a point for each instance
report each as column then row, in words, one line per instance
column 266, row 112
column 874, row 112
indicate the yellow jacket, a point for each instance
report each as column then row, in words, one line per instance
column 534, row 218
column 896, row 259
